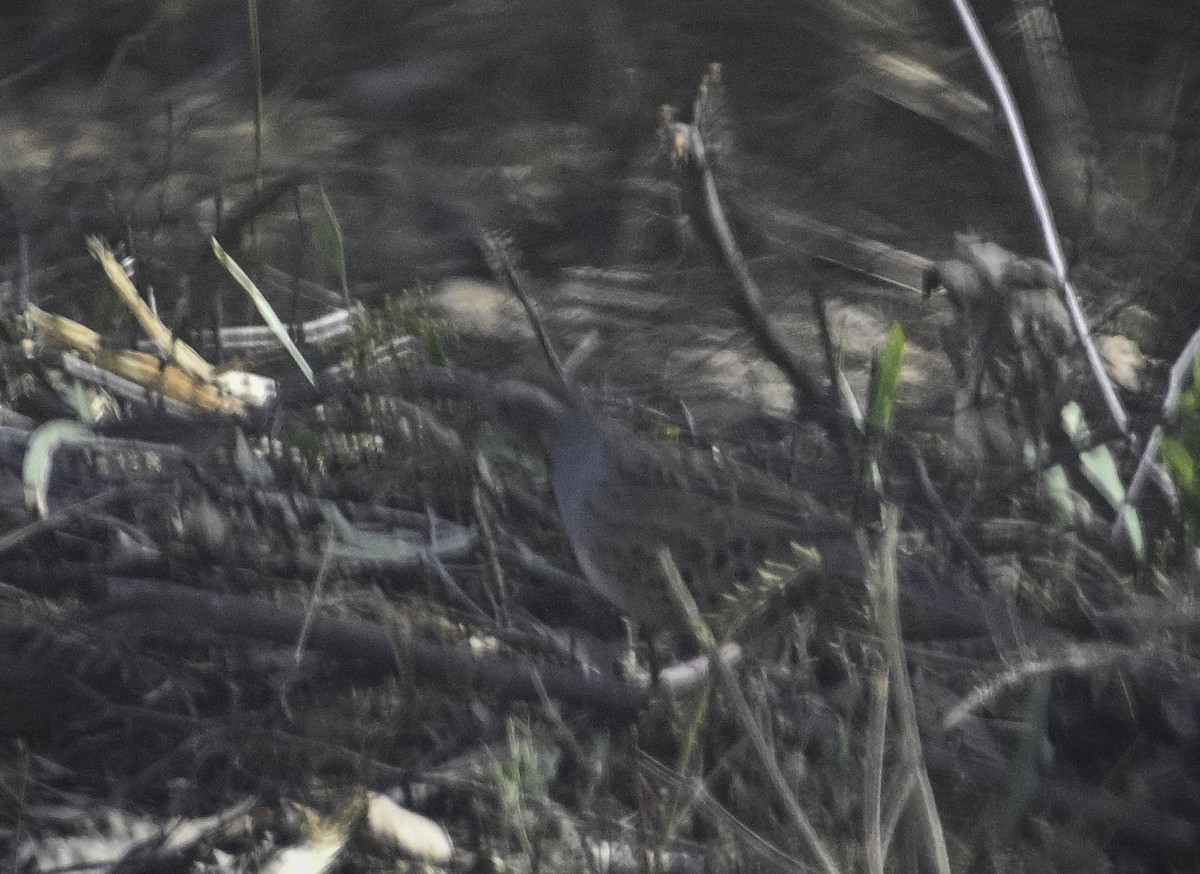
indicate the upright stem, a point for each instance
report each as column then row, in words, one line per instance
column 1041, row 206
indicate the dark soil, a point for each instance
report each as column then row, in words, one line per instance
column 368, row 587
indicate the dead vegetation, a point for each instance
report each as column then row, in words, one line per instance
column 349, row 591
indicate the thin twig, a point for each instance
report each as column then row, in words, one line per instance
column 745, row 718
column 24, row 286
column 314, row 600
column 1041, row 207
column 821, row 314
column 499, row 597
column 433, row 560
column 256, row 58
column 582, row 352
column 13, row 539
column 1148, row 465
column 945, row 521
column 771, row 341
column 305, row 627
column 778, row 351
column 1181, row 371
column 873, row 773
column 769, row 336
column 702, row 797
column 884, row 587
column 500, row 262
column 897, row 803
column 1083, row 657
column 373, row 771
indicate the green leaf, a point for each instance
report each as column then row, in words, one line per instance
column 1100, row 469
column 330, row 243
column 886, row 379
column 38, row 463
column 1188, row 401
column 1058, row 493
column 1180, row 463
column 1073, row 423
column 264, row 308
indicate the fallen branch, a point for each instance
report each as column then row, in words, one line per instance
column 375, row 649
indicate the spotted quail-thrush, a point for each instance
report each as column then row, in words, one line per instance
column 622, row 497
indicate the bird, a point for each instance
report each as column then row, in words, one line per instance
column 622, row 496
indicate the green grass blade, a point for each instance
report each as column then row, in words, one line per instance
column 330, row 242
column 264, row 307
column 887, row 379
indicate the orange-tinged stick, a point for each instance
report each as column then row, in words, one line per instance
column 180, row 353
